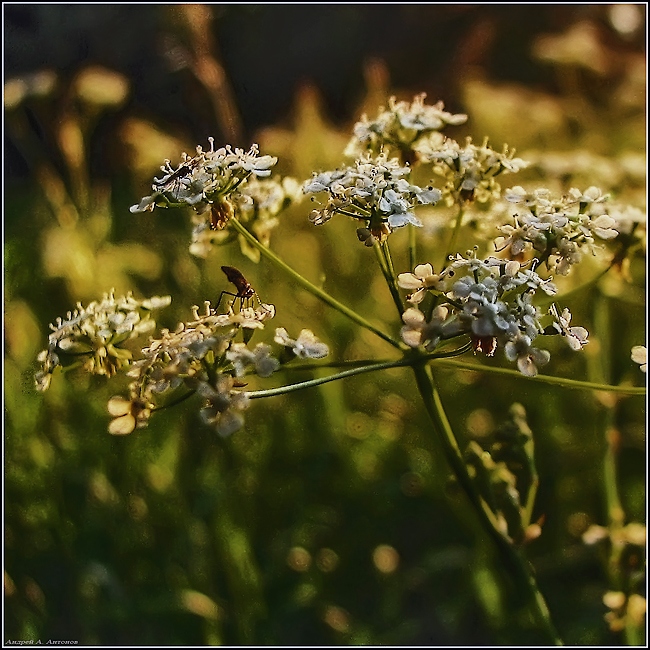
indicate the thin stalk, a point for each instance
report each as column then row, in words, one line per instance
column 291, row 388
column 386, row 264
column 615, row 512
column 313, row 289
column 356, row 363
column 518, row 566
column 174, row 402
column 544, row 379
column 530, row 498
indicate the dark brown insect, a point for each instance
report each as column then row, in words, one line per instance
column 245, row 291
column 244, row 288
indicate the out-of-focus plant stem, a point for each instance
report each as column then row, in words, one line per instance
column 518, row 567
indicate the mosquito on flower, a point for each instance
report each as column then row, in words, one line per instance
column 245, row 292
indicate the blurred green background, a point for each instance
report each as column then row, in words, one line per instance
column 330, row 518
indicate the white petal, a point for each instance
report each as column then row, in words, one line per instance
column 423, row 270
column 409, row 280
column 122, row 426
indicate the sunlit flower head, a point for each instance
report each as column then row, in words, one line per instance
column 96, row 335
column 470, row 171
column 400, row 127
column 376, row 191
column 557, row 230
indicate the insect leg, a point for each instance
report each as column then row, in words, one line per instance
column 227, row 293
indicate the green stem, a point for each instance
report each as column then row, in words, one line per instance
column 518, row 566
column 313, row 289
column 291, row 388
column 530, row 499
column 174, row 402
column 356, row 363
column 386, row 264
column 615, row 513
column 556, row 381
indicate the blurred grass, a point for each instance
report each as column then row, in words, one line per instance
column 276, row 536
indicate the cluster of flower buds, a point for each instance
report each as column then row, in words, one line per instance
column 375, row 191
column 400, row 127
column 490, row 300
column 558, row 231
column 95, row 335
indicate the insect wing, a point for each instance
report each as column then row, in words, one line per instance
column 244, row 288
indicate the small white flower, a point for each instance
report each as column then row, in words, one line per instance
column 528, row 358
column 422, row 279
column 306, row 346
column 260, row 358
column 128, row 414
column 417, row 331
column 640, row 355
column 223, row 405
column 576, row 337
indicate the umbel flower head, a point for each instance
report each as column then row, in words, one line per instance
column 400, row 127
column 490, row 300
column 201, row 356
column 376, row 191
column 470, row 171
column 213, row 183
column 95, row 335
column 557, row 230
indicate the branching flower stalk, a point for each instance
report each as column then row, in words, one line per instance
column 477, row 301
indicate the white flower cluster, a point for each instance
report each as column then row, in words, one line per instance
column 400, row 127
column 376, row 191
column 95, row 335
column 469, row 171
column 491, row 301
column 206, row 180
column 202, row 356
column 557, row 230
